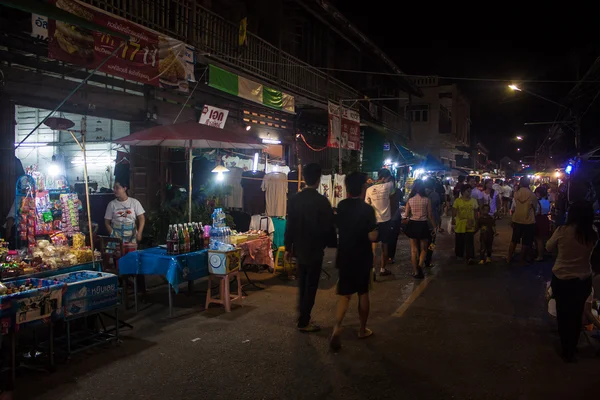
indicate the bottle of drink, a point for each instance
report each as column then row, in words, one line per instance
column 199, row 235
column 169, row 240
column 181, row 239
column 192, row 236
column 186, row 237
column 175, row 240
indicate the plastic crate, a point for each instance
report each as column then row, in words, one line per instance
column 88, row 291
column 43, row 301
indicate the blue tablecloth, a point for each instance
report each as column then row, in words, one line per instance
column 156, row 261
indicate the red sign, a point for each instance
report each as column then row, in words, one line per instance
column 346, row 131
column 146, row 57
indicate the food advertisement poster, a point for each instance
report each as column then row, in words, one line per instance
column 148, row 57
column 346, row 131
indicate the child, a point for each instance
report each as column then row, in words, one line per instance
column 463, row 221
column 486, row 225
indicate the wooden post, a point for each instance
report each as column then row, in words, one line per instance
column 299, row 176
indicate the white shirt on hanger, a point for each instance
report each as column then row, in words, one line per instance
column 325, row 186
column 234, row 179
column 275, row 186
column 339, row 189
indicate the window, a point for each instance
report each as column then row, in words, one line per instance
column 445, row 121
column 418, row 112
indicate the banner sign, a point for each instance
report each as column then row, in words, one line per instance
column 346, row 131
column 39, row 27
column 148, row 57
column 213, row 116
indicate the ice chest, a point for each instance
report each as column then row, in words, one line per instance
column 88, row 291
column 43, row 301
column 223, row 262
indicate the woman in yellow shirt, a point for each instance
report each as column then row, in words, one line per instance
column 464, row 216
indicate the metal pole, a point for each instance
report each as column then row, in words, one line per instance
column 190, row 186
column 87, row 189
column 340, row 138
column 71, row 94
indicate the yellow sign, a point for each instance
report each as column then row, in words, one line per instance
column 243, row 35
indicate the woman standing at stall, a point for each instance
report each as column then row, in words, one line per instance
column 572, row 272
column 124, row 216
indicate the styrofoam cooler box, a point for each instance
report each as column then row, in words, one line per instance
column 88, row 291
column 43, row 301
column 223, row 262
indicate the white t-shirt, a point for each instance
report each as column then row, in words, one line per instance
column 507, row 191
column 378, row 196
column 477, row 194
column 325, row 186
column 124, row 212
column 275, row 186
column 339, row 189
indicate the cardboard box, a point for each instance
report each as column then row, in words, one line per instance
column 224, row 262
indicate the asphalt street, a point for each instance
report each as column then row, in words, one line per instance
column 466, row 332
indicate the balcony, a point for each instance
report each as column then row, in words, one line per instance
column 218, row 38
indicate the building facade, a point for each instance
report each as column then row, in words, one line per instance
column 440, row 121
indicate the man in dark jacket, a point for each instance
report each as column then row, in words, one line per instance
column 309, row 229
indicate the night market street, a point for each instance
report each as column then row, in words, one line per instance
column 475, row 332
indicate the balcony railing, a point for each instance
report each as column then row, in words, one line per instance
column 218, row 38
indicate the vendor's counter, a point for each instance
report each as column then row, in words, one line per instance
column 176, row 268
column 53, row 272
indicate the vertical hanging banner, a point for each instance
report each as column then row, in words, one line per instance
column 148, row 57
column 346, row 131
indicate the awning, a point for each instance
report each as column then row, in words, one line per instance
column 191, row 134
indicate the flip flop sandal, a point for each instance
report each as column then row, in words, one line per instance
column 368, row 333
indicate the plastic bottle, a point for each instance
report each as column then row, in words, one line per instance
column 192, row 236
column 175, row 239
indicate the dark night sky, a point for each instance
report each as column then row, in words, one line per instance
column 506, row 43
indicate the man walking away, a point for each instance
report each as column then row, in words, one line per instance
column 308, row 231
column 357, row 228
column 475, row 192
column 523, row 220
column 378, row 196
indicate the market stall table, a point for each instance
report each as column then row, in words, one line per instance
column 175, row 268
column 256, row 252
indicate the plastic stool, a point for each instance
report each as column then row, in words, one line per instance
column 281, row 263
column 225, row 297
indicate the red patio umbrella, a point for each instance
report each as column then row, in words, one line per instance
column 191, row 135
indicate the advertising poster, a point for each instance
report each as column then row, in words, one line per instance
column 346, row 131
column 148, row 57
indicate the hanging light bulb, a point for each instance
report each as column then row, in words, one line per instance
column 220, row 169
column 220, row 176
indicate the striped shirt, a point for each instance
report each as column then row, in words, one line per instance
column 418, row 208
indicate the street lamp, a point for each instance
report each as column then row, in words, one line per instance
column 514, row 87
column 519, row 138
column 519, row 149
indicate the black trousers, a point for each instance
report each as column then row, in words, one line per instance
column 308, row 283
column 395, row 226
column 570, row 295
column 486, row 242
column 465, row 243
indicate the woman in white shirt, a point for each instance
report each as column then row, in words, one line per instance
column 572, row 272
column 124, row 216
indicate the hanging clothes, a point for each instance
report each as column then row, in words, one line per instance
column 292, row 186
column 234, row 181
column 254, row 199
column 275, row 186
column 325, row 187
column 339, row 189
column 262, row 223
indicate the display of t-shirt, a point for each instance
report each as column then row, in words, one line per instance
column 275, row 187
column 254, row 198
column 236, row 195
column 325, row 186
column 339, row 189
column 378, row 196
